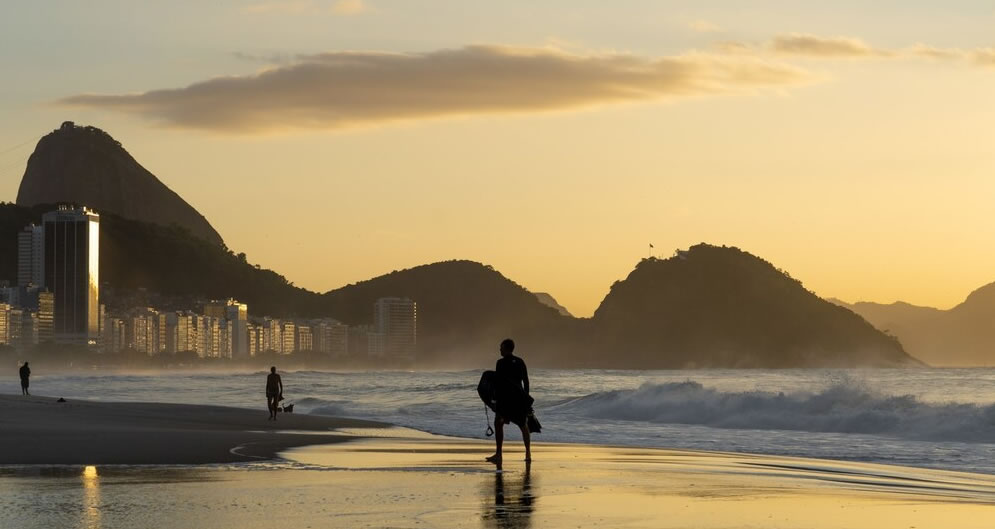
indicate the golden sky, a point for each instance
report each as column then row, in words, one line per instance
column 335, row 141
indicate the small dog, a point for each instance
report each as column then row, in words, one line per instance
column 287, row 408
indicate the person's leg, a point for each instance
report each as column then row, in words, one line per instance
column 527, row 439
column 270, row 403
column 498, row 439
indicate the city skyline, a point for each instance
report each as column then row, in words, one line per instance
column 846, row 148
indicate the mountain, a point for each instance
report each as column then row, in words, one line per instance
column 85, row 165
column 708, row 306
column 465, row 309
column 168, row 261
column 550, row 301
column 719, row 306
column 961, row 336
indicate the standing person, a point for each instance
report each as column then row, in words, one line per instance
column 513, row 401
column 274, row 392
column 25, row 373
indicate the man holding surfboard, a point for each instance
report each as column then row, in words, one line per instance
column 512, row 401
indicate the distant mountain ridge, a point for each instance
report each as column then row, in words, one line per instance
column 709, row 306
column 961, row 336
column 85, row 165
column 550, row 301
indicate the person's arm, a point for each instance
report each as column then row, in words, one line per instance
column 280, row 380
column 525, row 377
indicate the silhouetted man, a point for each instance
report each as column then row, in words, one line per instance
column 513, row 401
column 25, row 373
column 274, row 392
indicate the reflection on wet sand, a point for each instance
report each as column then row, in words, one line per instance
column 512, row 506
column 90, row 513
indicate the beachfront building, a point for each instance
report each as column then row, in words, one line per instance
column 142, row 331
column 254, row 337
column 237, row 315
column 304, row 340
column 208, row 336
column 331, row 337
column 5, row 323
column 289, row 335
column 30, row 256
column 395, row 321
column 71, row 272
column 178, row 332
column 114, row 338
column 271, row 337
column 45, row 312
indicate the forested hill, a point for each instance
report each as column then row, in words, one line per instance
column 464, row 310
column 719, row 306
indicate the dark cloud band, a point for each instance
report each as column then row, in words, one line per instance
column 334, row 90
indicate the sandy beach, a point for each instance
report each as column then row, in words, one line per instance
column 103, row 465
column 39, row 430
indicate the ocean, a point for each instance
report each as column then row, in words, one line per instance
column 935, row 418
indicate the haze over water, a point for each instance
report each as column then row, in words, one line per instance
column 939, row 418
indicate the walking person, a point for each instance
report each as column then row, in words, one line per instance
column 25, row 373
column 274, row 392
column 513, row 401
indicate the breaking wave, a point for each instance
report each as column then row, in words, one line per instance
column 843, row 407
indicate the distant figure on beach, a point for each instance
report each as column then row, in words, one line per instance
column 274, row 392
column 513, row 401
column 25, row 373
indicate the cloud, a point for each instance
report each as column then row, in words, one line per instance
column 341, row 89
column 348, row 7
column 307, row 7
column 984, row 56
column 813, row 46
column 703, row 26
column 804, row 44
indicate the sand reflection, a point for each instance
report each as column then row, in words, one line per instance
column 512, row 503
column 90, row 514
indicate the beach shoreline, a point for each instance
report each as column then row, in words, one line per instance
column 42, row 431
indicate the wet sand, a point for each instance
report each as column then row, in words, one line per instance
column 438, row 482
column 39, row 430
column 393, row 477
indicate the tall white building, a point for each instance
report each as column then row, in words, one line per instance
column 72, row 265
column 30, row 256
column 395, row 320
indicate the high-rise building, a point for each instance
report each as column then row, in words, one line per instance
column 142, row 331
column 30, row 256
column 253, row 339
column 396, row 321
column 358, row 341
column 211, row 333
column 113, row 339
column 272, row 336
column 5, row 324
column 331, row 337
column 305, row 339
column 288, row 332
column 46, row 316
column 238, row 316
column 71, row 272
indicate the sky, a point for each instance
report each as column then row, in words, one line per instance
column 849, row 143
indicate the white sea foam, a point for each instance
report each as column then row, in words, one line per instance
column 845, row 407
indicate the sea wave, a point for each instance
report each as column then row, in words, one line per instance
column 843, row 407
